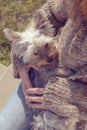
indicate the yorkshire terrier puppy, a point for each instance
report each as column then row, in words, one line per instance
column 38, row 51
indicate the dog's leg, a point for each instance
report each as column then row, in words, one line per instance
column 73, row 116
column 85, row 126
column 68, row 111
column 53, row 121
column 62, row 108
column 71, row 123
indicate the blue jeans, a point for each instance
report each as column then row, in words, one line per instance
column 16, row 115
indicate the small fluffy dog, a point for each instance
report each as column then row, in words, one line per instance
column 31, row 48
column 39, row 52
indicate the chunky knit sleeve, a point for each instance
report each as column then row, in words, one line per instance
column 80, row 75
column 50, row 17
column 58, row 9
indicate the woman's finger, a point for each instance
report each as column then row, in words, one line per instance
column 35, row 91
column 25, row 78
column 24, row 89
column 37, row 99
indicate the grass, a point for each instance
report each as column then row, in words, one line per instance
column 14, row 14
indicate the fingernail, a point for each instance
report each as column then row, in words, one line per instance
column 26, row 97
column 28, row 88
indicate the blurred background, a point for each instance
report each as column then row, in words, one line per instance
column 14, row 14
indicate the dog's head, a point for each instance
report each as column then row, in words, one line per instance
column 32, row 48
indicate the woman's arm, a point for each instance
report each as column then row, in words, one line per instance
column 33, row 96
column 80, row 75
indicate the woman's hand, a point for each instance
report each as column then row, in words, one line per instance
column 33, row 96
column 25, row 77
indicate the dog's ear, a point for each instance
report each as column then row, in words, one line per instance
column 40, row 21
column 12, row 35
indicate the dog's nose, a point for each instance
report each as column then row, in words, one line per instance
column 50, row 59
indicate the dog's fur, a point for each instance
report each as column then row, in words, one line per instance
column 31, row 48
column 37, row 51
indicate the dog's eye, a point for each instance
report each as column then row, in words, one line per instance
column 46, row 46
column 36, row 52
column 50, row 59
